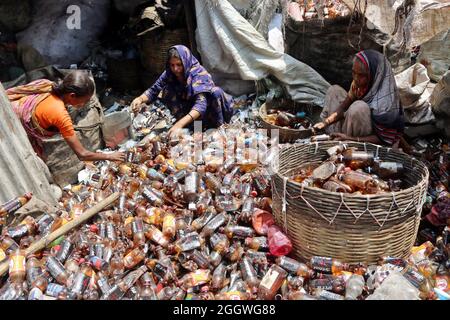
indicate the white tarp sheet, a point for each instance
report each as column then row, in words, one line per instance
column 229, row 46
column 426, row 19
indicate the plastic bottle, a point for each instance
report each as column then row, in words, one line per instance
column 357, row 180
column 257, row 243
column 8, row 245
column 169, row 226
column 261, row 221
column 388, row 169
column 271, row 283
column 328, row 265
column 138, row 232
column 356, row 159
column 354, row 287
column 294, row 267
column 155, row 175
column 218, row 220
column 120, row 288
column 247, row 209
column 27, row 226
column 249, row 273
column 81, row 280
column 134, row 257
column 17, row 266
column 219, row 242
column 191, row 184
column 235, row 231
column 196, row 278
column 34, row 269
column 14, row 204
column 57, row 270
column 156, row 235
column 147, row 291
column 219, row 277
column 279, row 243
column 65, row 249
column 153, row 196
column 333, row 283
column 189, row 242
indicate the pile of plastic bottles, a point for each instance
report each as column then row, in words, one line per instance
column 195, row 226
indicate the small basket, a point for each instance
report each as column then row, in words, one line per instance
column 359, row 228
column 154, row 47
column 287, row 135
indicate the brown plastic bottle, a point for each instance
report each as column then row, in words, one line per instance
column 295, row 267
column 357, row 180
column 271, row 283
column 27, row 226
column 335, row 185
column 134, row 257
column 220, row 243
column 249, row 273
column 201, row 221
column 154, row 234
column 14, row 204
column 328, row 265
column 357, row 159
column 388, row 169
column 34, row 269
column 169, row 226
column 8, row 245
column 57, row 270
column 219, row 277
column 257, row 243
column 17, row 266
column 81, row 280
column 138, row 232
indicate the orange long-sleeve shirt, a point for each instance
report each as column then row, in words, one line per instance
column 51, row 114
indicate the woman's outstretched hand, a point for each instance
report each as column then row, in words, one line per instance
column 136, row 104
column 117, row 156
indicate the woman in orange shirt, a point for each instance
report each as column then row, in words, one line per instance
column 41, row 107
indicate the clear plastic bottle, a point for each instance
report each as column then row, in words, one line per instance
column 191, row 185
column 354, row 287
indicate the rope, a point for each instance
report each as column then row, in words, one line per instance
column 311, row 206
column 394, row 205
column 339, row 208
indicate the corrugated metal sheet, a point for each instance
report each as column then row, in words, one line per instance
column 20, row 171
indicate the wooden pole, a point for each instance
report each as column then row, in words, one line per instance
column 45, row 241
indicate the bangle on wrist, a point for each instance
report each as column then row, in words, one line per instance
column 191, row 117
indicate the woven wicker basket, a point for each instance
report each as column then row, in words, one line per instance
column 351, row 228
column 154, row 48
column 285, row 134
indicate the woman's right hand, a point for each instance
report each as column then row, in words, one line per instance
column 117, row 156
column 136, row 104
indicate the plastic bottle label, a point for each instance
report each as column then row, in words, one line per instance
column 17, row 264
column 269, row 279
column 322, row 264
column 12, row 206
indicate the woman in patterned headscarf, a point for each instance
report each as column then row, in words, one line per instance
column 371, row 110
column 189, row 92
